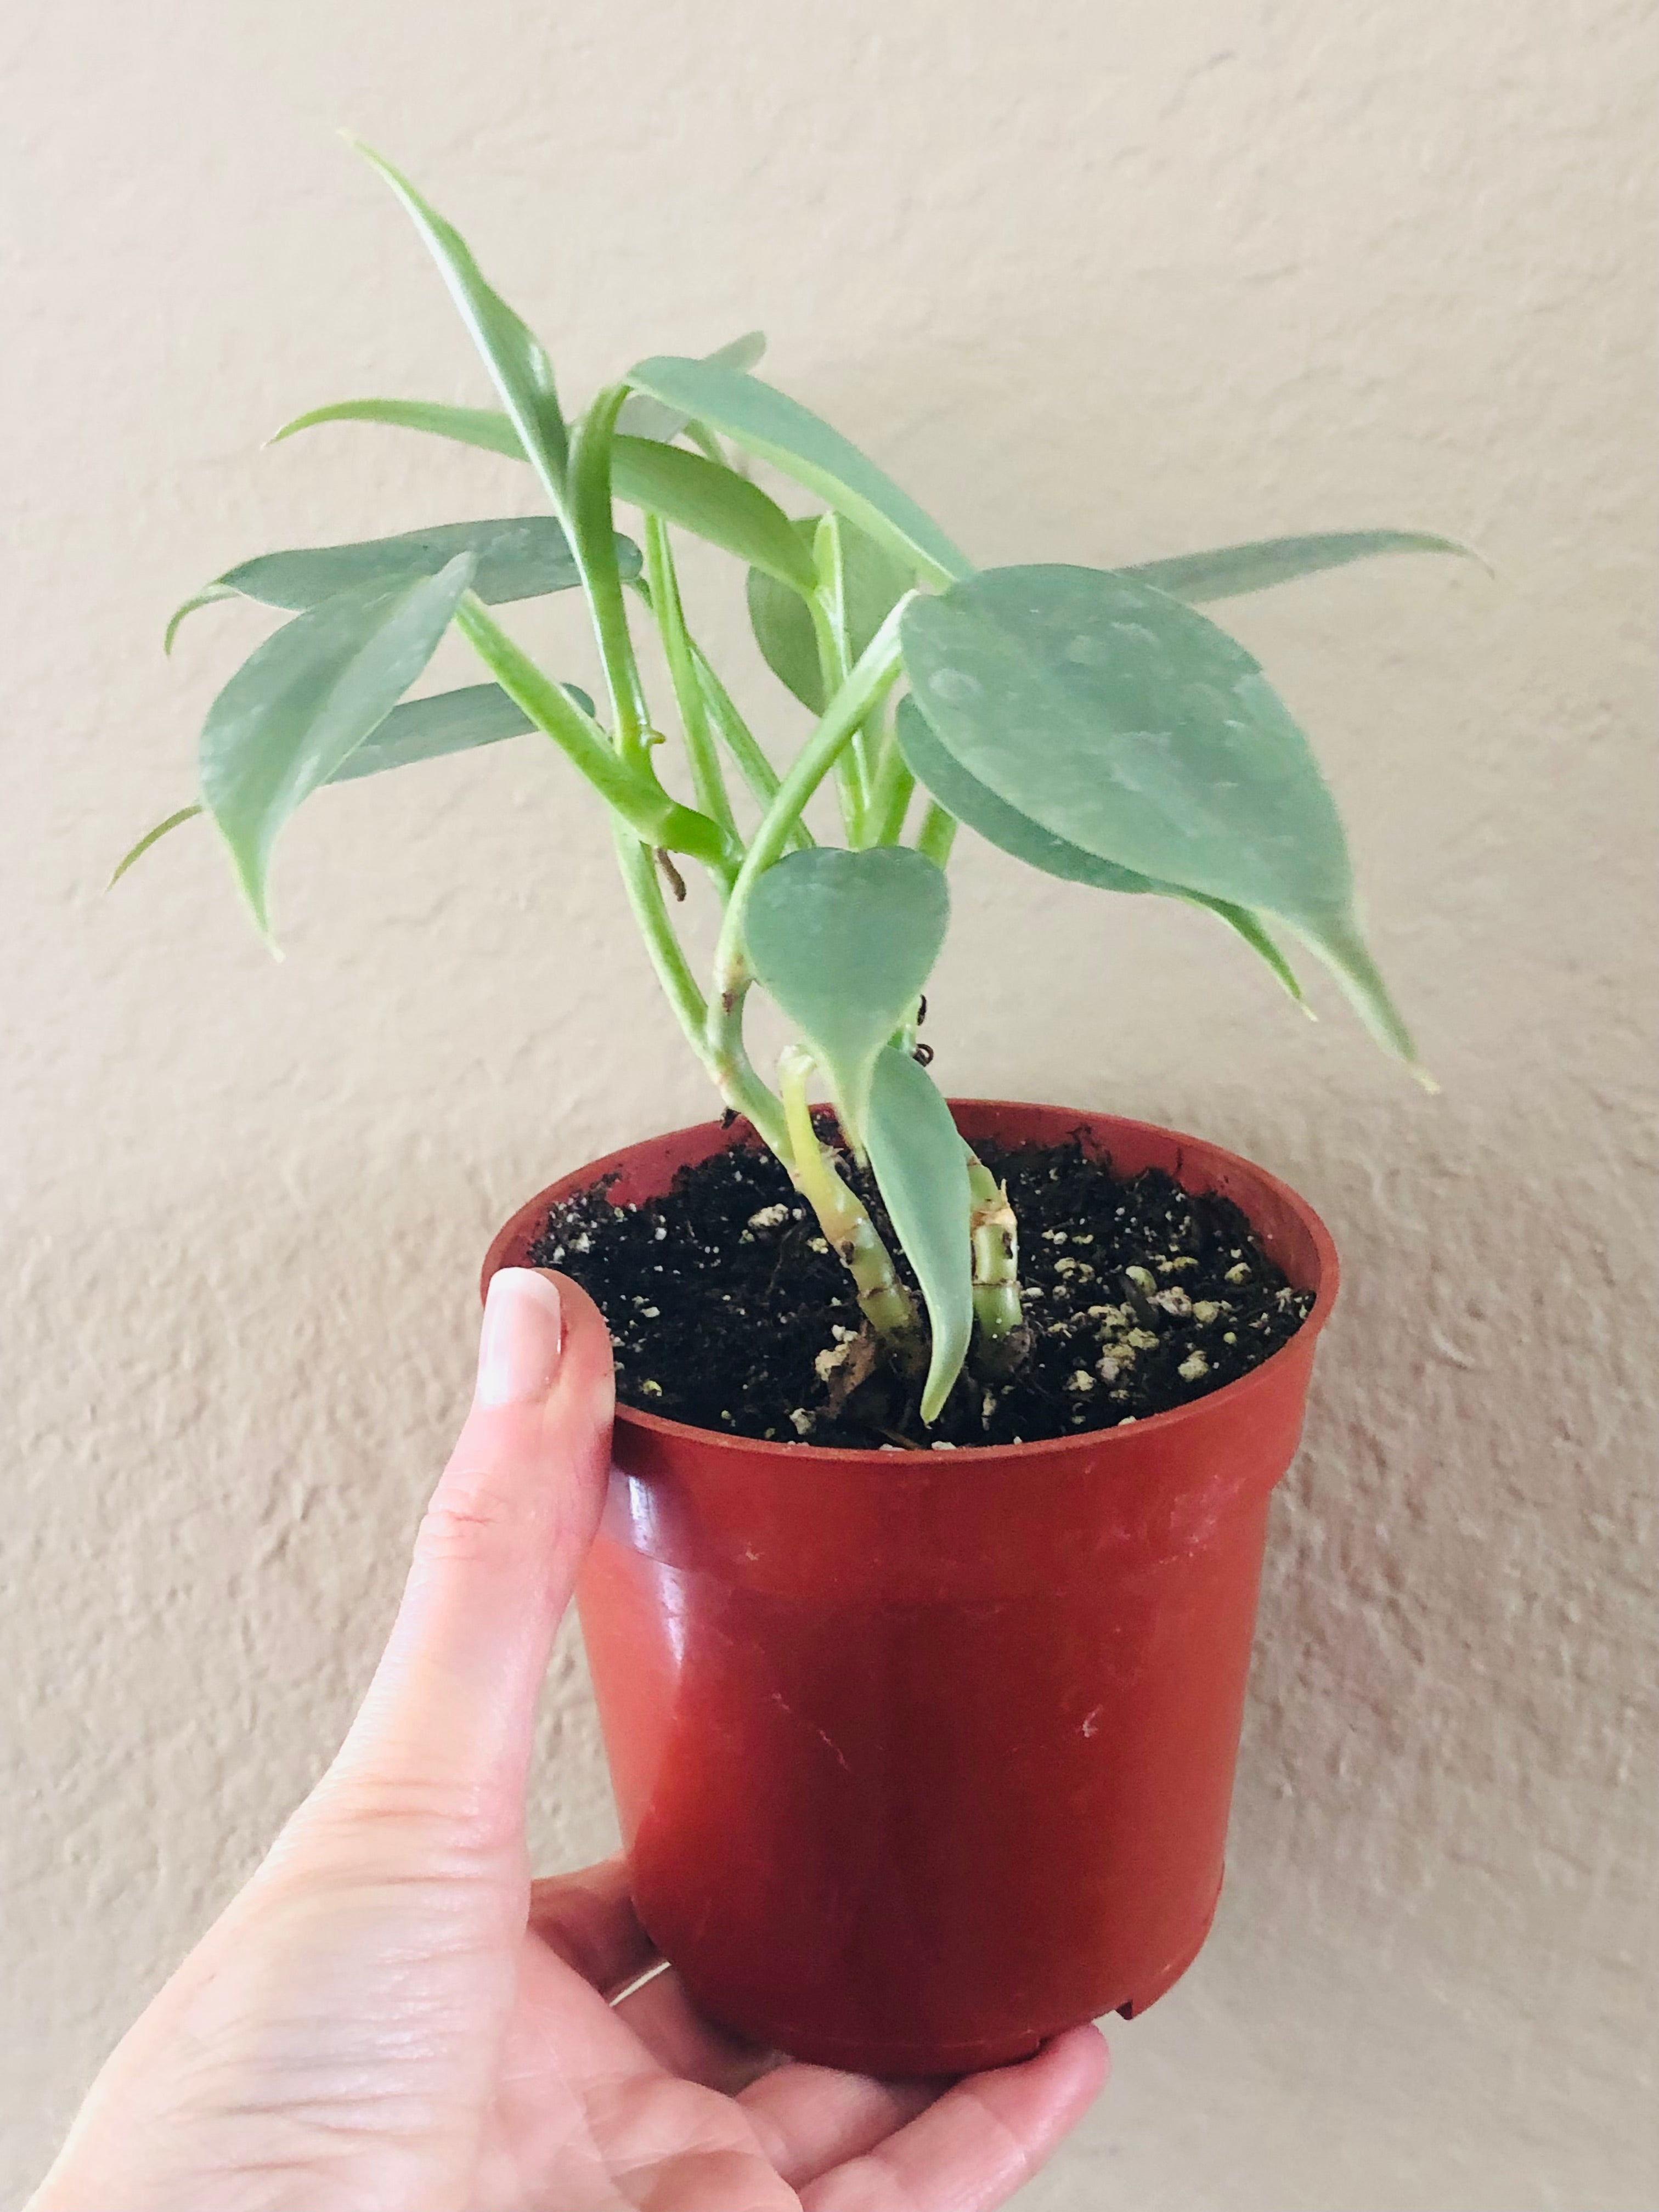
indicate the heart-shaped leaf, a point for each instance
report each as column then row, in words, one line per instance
column 764, row 421
column 511, row 351
column 965, row 795
column 519, row 557
column 419, row 730
column 873, row 582
column 302, row 703
column 845, row 942
column 1230, row 570
column 1123, row 722
column 642, row 417
column 1014, row 832
column 921, row 1166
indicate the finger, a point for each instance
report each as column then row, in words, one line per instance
column 982, row 2140
column 589, row 1919
column 684, row 2043
column 811, row 2118
column 446, row 1729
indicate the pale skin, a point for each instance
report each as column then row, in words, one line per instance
column 392, row 2016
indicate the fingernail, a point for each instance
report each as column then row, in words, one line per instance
column 523, row 1335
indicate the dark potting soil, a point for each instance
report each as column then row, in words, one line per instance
column 729, row 1311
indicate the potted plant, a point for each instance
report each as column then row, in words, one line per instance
column 921, row 1612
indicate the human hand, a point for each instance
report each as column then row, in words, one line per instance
column 393, row 2017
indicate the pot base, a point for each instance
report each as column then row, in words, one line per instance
column 1164, row 1980
column 898, row 2059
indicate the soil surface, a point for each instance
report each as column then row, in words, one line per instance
column 729, row 1311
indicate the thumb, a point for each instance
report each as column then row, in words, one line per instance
column 447, row 1726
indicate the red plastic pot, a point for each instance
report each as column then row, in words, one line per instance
column 920, row 1758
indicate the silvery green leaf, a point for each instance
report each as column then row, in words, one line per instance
column 767, row 423
column 845, row 941
column 1004, row 826
column 686, row 488
column 420, row 730
column 642, row 417
column 1125, row 723
column 305, row 700
column 873, row 582
column 486, row 428
column 715, row 503
column 135, row 852
column 1229, row 570
column 511, row 351
column 921, row 1166
column 517, row 558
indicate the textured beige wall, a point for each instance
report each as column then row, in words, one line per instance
column 1098, row 282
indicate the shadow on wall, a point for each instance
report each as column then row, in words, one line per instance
column 1454, row 1603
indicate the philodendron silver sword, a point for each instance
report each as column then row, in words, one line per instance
column 1088, row 721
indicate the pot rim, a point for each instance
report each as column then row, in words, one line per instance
column 971, row 1457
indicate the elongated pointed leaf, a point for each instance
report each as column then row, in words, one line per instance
column 782, row 624
column 205, row 598
column 685, row 489
column 515, row 557
column 1230, row 570
column 486, row 428
column 845, row 942
column 874, row 582
column 1124, row 722
column 150, row 837
column 1336, row 938
column 1016, row 834
column 644, row 417
column 419, row 730
column 764, row 421
column 1254, row 932
column 714, row 502
column 519, row 557
column 921, row 1166
column 511, row 351
column 444, row 722
column 302, row 703
column 492, row 431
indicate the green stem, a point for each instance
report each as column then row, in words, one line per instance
column 643, row 885
column 884, row 1300
column 877, row 668
column 707, row 444
column 594, row 542
column 936, row 835
column 995, row 1237
column 630, row 789
column 833, row 669
column 727, row 1056
column 891, row 793
column 733, row 1073
column 707, row 779
column 750, row 763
